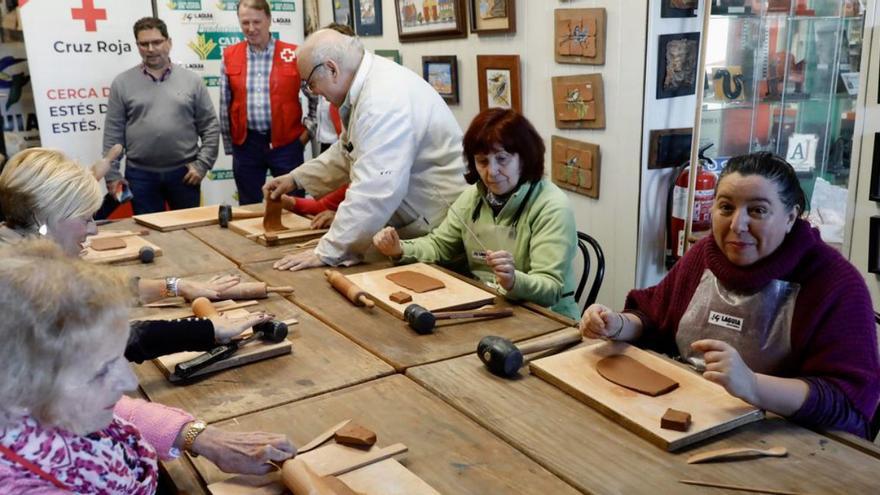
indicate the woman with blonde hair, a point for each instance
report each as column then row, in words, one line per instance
column 64, row 329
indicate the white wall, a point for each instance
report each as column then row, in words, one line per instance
column 613, row 218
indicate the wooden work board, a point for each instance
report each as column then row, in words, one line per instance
column 199, row 216
column 249, row 353
column 385, row 477
column 712, row 409
column 457, row 294
column 131, row 251
column 298, row 229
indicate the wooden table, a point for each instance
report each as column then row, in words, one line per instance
column 237, row 247
column 389, row 337
column 446, row 449
column 597, row 455
column 182, row 254
column 322, row 360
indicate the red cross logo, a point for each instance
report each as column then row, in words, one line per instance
column 89, row 14
column 288, row 55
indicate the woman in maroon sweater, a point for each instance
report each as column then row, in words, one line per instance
column 763, row 307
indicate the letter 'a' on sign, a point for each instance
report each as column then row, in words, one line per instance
column 801, row 152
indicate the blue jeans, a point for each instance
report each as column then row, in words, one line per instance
column 253, row 158
column 151, row 190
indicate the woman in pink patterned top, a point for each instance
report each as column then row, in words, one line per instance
column 65, row 425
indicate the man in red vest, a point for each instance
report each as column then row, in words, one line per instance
column 260, row 111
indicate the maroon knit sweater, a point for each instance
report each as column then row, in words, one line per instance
column 833, row 340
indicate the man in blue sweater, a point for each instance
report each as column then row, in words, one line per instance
column 161, row 113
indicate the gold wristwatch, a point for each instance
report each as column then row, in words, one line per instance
column 193, row 430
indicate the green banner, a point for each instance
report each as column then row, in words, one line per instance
column 184, row 4
column 209, row 45
column 220, row 174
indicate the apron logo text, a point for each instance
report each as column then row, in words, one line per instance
column 726, row 321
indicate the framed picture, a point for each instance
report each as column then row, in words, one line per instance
column 498, row 81
column 579, row 102
column 425, row 20
column 311, row 17
column 575, row 166
column 579, row 36
column 677, row 64
column 342, row 12
column 492, row 16
column 669, row 147
column 874, row 186
column 874, row 245
column 441, row 72
column 393, row 55
column 678, row 8
column 368, row 17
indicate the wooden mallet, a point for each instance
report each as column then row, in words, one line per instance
column 348, row 289
column 504, row 358
column 423, row 321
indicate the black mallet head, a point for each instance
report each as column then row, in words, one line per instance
column 500, row 355
column 146, row 254
column 273, row 330
column 224, row 215
column 419, row 319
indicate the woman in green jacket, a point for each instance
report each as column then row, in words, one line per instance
column 515, row 227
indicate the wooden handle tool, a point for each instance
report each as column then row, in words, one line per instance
column 736, row 452
column 558, row 339
column 482, row 313
column 253, row 290
column 742, row 488
column 348, row 289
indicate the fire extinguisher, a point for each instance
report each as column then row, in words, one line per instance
column 676, row 206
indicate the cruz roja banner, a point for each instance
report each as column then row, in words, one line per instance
column 75, row 48
column 200, row 30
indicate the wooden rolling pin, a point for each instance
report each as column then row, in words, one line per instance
column 253, row 290
column 203, row 308
column 298, row 477
column 348, row 289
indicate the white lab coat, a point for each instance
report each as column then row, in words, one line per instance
column 402, row 153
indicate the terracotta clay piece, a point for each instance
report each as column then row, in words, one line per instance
column 676, row 420
column 272, row 217
column 355, row 435
column 415, row 281
column 627, row 372
column 108, row 244
column 400, row 297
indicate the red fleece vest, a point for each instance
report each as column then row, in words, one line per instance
column 284, row 84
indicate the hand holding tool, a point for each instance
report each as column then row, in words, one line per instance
column 272, row 331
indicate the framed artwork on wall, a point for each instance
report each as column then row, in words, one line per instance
column 441, row 72
column 678, row 8
column 874, row 186
column 498, row 81
column 311, row 16
column 579, row 102
column 677, row 64
column 342, row 12
column 669, row 147
column 579, row 36
column 575, row 166
column 492, row 16
column 393, row 55
column 368, row 17
column 425, row 20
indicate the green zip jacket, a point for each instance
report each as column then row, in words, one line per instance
column 542, row 241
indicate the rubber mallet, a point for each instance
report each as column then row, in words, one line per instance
column 423, row 321
column 146, row 254
column 226, row 214
column 347, row 288
column 504, row 358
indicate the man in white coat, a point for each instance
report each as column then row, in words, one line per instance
column 400, row 150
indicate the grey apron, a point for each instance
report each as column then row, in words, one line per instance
column 757, row 324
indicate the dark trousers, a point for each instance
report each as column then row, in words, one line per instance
column 254, row 158
column 151, row 190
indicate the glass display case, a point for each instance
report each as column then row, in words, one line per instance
column 782, row 76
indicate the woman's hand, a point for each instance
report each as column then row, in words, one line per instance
column 501, row 263
column 243, row 452
column 388, row 242
column 323, row 219
column 725, row 367
column 225, row 328
column 191, row 289
column 600, row 322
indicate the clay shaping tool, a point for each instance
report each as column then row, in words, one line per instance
column 753, row 489
column 320, row 439
column 735, row 452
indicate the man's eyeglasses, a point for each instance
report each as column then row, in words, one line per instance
column 309, row 79
column 146, row 45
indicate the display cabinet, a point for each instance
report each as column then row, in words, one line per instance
column 782, row 76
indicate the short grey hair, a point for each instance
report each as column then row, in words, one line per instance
column 43, row 186
column 54, row 309
column 347, row 52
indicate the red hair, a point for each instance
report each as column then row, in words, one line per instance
column 507, row 129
